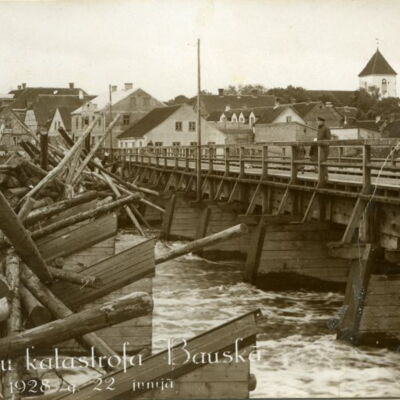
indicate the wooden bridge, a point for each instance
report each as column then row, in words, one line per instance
column 330, row 221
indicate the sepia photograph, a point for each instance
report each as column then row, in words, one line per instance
column 199, row 199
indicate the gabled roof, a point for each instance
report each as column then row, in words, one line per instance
column 377, row 65
column 149, row 122
column 46, row 105
column 271, row 113
column 103, row 100
column 211, row 102
column 24, row 98
column 349, row 112
column 304, row 108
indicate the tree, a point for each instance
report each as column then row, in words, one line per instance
column 387, row 108
column 177, row 100
column 366, row 100
column 290, row 94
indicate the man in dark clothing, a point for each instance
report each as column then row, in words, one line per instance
column 323, row 133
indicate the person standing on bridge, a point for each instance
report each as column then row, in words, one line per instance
column 323, row 133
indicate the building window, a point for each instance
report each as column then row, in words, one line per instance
column 15, row 140
column 384, row 86
column 158, row 144
column 176, row 143
column 289, row 118
column 146, row 101
column 193, row 143
column 252, row 121
column 126, row 119
column 192, row 126
column 178, row 126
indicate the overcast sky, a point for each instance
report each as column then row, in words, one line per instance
column 317, row 44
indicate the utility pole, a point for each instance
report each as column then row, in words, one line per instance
column 198, row 163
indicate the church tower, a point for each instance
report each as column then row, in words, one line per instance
column 380, row 74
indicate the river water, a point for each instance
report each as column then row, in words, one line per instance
column 300, row 356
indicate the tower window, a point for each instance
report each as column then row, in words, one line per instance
column 384, row 86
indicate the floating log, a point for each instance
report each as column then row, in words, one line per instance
column 21, row 240
column 130, row 306
column 53, row 209
column 35, row 311
column 60, row 310
column 198, row 244
column 84, row 216
column 74, row 277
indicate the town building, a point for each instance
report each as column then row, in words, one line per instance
column 283, row 132
column 12, row 129
column 379, row 74
column 132, row 103
column 169, row 126
column 210, row 103
column 311, row 111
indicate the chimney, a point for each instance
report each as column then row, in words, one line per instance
column 114, row 88
column 220, row 92
column 71, row 85
column 227, row 107
column 277, row 103
column 19, row 87
column 128, row 86
column 24, row 86
column 81, row 95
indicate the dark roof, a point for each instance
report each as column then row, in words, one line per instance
column 304, row 108
column 392, row 130
column 269, row 114
column 24, row 98
column 377, row 65
column 215, row 116
column 45, row 106
column 339, row 97
column 212, row 102
column 349, row 112
column 148, row 122
column 371, row 125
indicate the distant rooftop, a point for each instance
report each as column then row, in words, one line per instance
column 377, row 65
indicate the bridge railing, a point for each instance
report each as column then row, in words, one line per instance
column 361, row 160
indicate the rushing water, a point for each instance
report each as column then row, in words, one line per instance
column 300, row 356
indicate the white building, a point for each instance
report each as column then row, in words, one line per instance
column 378, row 73
column 169, row 126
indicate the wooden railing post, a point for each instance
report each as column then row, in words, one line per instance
column 210, row 159
column 164, row 150
column 293, row 165
column 366, row 169
column 227, row 162
column 322, row 169
column 264, row 162
column 137, row 155
column 157, row 156
column 241, row 162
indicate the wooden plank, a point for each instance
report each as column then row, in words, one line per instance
column 354, row 221
column 203, row 223
column 115, row 272
column 253, row 200
column 66, row 242
column 157, row 366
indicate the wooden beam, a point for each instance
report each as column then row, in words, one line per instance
column 240, row 332
column 354, row 220
column 253, row 200
column 356, row 293
column 77, row 237
column 254, row 252
column 168, row 216
column 12, row 227
column 115, row 272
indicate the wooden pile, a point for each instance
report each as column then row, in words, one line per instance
column 40, row 302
